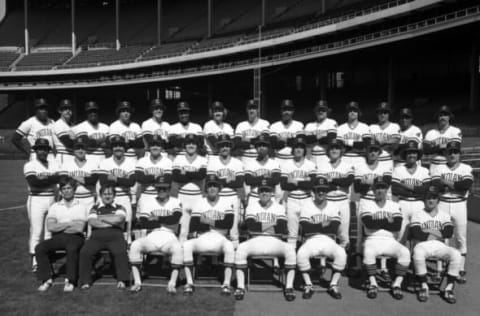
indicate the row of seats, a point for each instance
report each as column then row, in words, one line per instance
column 6, row 59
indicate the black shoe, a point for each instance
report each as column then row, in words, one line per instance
column 334, row 292
column 397, row 293
column 449, row 297
column 461, row 278
column 423, row 295
column 308, row 292
column 289, row 294
column 239, row 294
column 188, row 289
column 226, row 290
column 372, row 291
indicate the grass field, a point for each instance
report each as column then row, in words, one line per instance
column 18, row 295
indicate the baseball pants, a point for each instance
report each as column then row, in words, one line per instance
column 188, row 203
column 71, row 243
column 436, row 249
column 265, row 246
column 233, row 200
column 211, row 241
column 408, row 208
column 294, row 206
column 458, row 212
column 321, row 245
column 376, row 246
column 344, row 228
column 163, row 241
column 37, row 208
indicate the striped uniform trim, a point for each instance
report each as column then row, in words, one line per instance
column 83, row 195
column 336, row 198
column 369, row 197
column 299, row 196
column 351, row 154
column 190, row 192
column 249, row 154
column 452, row 199
column 409, row 198
column 227, row 193
column 283, row 156
column 42, row 193
column 98, row 152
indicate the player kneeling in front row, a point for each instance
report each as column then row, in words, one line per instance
column 319, row 220
column 160, row 216
column 382, row 220
column 211, row 220
column 266, row 220
column 429, row 229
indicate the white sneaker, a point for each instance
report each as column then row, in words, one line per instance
column 45, row 286
column 68, row 286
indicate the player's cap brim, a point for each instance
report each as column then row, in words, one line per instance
column 224, row 142
column 162, row 185
column 215, row 183
column 430, row 195
column 321, row 188
column 35, row 147
column 380, row 185
column 118, row 144
column 265, row 188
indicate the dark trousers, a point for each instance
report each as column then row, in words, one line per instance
column 71, row 243
column 105, row 239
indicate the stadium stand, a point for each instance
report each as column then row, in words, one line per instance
column 42, row 60
column 98, row 57
column 168, row 50
column 6, row 59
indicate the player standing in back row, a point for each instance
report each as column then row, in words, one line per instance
column 64, row 135
column 216, row 127
column 386, row 133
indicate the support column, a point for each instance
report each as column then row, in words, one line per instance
column 210, row 17
column 322, row 83
column 262, row 17
column 474, row 82
column 159, row 22
column 117, row 24
column 25, row 22
column 391, row 81
column 257, row 88
column 322, row 9
column 74, row 38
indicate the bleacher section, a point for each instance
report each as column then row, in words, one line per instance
column 167, row 50
column 6, row 59
column 43, row 60
column 99, row 57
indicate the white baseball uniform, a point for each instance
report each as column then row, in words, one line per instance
column 99, row 133
column 413, row 133
column 320, row 130
column 256, row 168
column 62, row 129
column 285, row 132
column 440, row 139
column 180, row 130
column 212, row 128
column 153, row 127
column 350, row 135
column 386, row 135
column 130, row 132
column 33, row 129
column 248, row 131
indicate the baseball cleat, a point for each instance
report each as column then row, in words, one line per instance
column 136, row 288
column 334, row 292
column 188, row 289
column 461, row 278
column 239, row 294
column 397, row 293
column 449, row 297
column 171, row 289
column 121, row 286
column 308, row 292
column 85, row 287
column 423, row 295
column 68, row 287
column 45, row 286
column 372, row 291
column 289, row 294
column 226, row 291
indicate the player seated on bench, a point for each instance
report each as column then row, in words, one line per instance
column 160, row 216
column 66, row 220
column 211, row 220
column 107, row 220
column 266, row 222
column 429, row 229
column 319, row 220
column 382, row 220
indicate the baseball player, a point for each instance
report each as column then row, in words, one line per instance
column 229, row 171
column 247, row 131
column 188, row 174
column 296, row 180
column 211, row 221
column 84, row 172
column 339, row 175
column 216, row 126
column 179, row 130
column 149, row 168
column 408, row 132
column 382, row 220
column 266, row 222
column 283, row 133
column 119, row 172
column 37, row 126
column 64, row 135
column 320, row 132
column 160, row 216
column 66, row 220
column 95, row 132
column 386, row 133
column 437, row 139
column 42, row 178
column 127, row 129
column 429, row 229
column 155, row 125
column 455, row 179
column 409, row 182
column 320, row 220
column 107, row 220
column 261, row 167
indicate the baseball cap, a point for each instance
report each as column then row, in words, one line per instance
column 383, row 106
column 265, row 184
column 65, row 103
column 162, row 182
column 157, row 140
column 406, row 112
column 41, row 143
column 379, row 182
column 213, row 179
column 287, row 104
column 453, row 145
column 432, row 191
column 80, row 143
column 321, row 184
column 263, row 139
column 183, row 106
column 321, row 105
column 91, row 106
column 118, row 141
column 252, row 104
column 40, row 103
column 124, row 105
column 335, row 143
column 190, row 138
column 373, row 143
column 300, row 141
column 157, row 104
column 224, row 139
column 444, row 109
column 412, row 146
column 217, row 106
column 353, row 105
